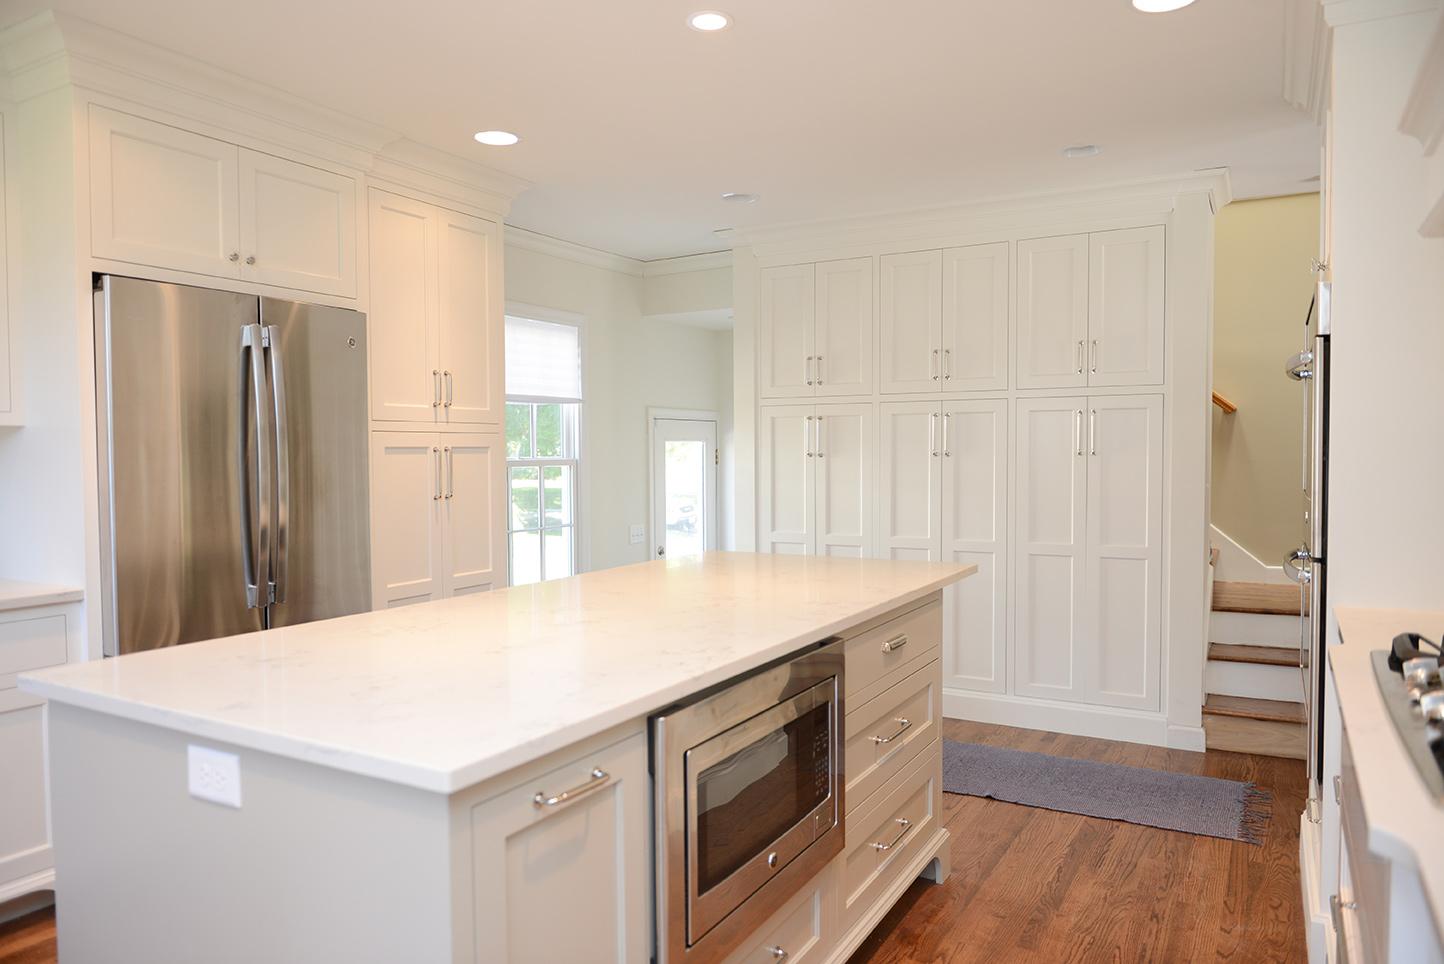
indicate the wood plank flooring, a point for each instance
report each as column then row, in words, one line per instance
column 1034, row 885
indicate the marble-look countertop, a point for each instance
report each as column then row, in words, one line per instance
column 1406, row 823
column 443, row 695
column 15, row 594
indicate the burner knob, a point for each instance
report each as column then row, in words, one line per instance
column 1428, row 664
column 1431, row 704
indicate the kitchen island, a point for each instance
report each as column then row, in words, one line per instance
column 378, row 787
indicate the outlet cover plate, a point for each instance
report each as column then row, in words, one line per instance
column 214, row 775
column 637, row 534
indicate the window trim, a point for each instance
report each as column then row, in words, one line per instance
column 541, row 463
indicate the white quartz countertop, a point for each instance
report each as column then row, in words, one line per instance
column 1405, row 822
column 15, row 594
column 443, row 695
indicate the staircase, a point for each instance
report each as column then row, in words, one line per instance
column 1254, row 701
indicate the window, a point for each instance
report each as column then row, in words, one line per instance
column 543, row 415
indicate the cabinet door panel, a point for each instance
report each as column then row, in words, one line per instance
column 845, row 436
column 24, row 806
column 402, row 320
column 786, row 480
column 842, row 361
column 785, row 331
column 406, row 537
column 975, row 318
column 469, row 317
column 975, row 526
column 911, row 320
column 1052, row 311
column 163, row 196
column 911, row 475
column 1126, row 307
column 1123, row 635
column 1049, row 579
column 299, row 224
column 473, row 512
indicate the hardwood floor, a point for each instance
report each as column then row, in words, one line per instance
column 1034, row 885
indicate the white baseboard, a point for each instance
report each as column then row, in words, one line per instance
column 1186, row 738
column 1318, row 927
column 1237, row 564
column 24, row 895
column 1078, row 719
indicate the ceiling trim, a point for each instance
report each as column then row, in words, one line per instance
column 687, row 262
column 571, row 251
column 1307, row 59
column 1341, row 12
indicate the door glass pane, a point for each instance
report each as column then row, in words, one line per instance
column 549, row 431
column 684, row 481
column 557, row 490
column 518, row 430
column 525, row 558
column 525, row 497
column 558, row 553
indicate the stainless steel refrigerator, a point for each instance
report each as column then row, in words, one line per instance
column 233, row 462
column 1307, row 564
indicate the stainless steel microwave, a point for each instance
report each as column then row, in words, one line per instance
column 749, row 801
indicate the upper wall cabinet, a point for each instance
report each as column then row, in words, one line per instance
column 1091, row 309
column 436, row 318
column 170, row 198
column 815, row 332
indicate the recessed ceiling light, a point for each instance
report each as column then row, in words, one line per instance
column 496, row 138
column 737, row 197
column 1082, row 150
column 1160, row 6
column 709, row 21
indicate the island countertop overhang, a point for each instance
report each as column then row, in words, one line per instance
column 444, row 695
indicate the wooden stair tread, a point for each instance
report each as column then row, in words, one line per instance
column 1252, row 709
column 1262, row 598
column 1264, row 655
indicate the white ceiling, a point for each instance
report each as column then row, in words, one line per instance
column 632, row 124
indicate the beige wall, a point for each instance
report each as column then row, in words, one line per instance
column 1262, row 285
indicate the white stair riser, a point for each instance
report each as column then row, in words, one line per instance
column 1254, row 629
column 1254, row 680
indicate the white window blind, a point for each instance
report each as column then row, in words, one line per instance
column 543, row 361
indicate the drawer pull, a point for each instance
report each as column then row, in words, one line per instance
column 778, row 954
column 904, row 825
column 903, row 726
column 598, row 780
column 895, row 644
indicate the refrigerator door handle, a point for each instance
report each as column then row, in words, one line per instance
column 1300, row 366
column 272, row 340
column 256, row 561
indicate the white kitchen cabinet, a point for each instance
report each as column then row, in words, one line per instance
column 1052, row 312
column 436, row 317
column 842, row 355
column 785, row 331
column 171, row 198
column 567, row 880
column 911, row 467
column 10, row 413
column 974, row 336
column 911, row 322
column 1126, row 307
column 815, row 468
column 473, row 538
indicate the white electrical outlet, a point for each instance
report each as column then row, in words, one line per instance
column 214, row 775
column 637, row 534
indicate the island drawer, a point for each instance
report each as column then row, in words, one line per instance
column 883, row 839
column 34, row 642
column 885, row 654
column 885, row 734
column 801, row 931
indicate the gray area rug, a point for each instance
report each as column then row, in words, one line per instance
column 1154, row 798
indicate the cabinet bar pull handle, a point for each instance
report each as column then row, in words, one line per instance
column 817, row 434
column 904, row 825
column 807, row 369
column 808, row 433
column 936, row 365
column 933, row 434
column 1093, row 356
column 1093, row 431
column 947, row 364
column 1079, row 354
column 895, row 644
column 598, row 779
column 435, row 388
column 817, row 369
column 436, row 453
column 450, row 388
column 903, row 726
column 777, row 952
column 1078, row 431
column 450, row 470
column 947, row 422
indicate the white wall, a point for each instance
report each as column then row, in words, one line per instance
column 630, row 363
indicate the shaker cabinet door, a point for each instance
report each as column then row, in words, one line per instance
column 405, row 357
column 469, row 312
column 911, row 322
column 786, row 479
column 1126, row 307
column 1053, row 312
column 472, row 512
column 844, row 436
column 407, row 476
column 911, row 465
column 975, row 318
column 785, row 332
column 298, row 225
column 843, row 337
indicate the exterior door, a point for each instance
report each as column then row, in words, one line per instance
column 911, row 467
column 1050, row 552
column 473, row 484
column 470, row 320
column 975, row 318
column 911, row 322
column 407, row 478
column 298, row 225
column 785, row 331
column 1053, row 312
column 842, row 350
column 786, row 480
column 405, row 356
column 844, row 436
column 684, row 487
column 1122, row 638
column 1126, row 307
column 975, row 530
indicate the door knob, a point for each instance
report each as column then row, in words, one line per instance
column 661, row 551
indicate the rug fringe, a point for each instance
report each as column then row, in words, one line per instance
column 1253, row 822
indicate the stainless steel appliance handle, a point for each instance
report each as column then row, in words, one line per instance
column 895, row 644
column 253, row 338
column 1295, row 563
column 947, row 423
column 903, row 726
column 450, row 388
column 599, row 779
column 436, row 456
column 436, row 388
column 1078, row 431
column 450, row 470
column 1300, row 366
column 272, row 339
column 904, row 825
column 1092, row 431
column 248, row 562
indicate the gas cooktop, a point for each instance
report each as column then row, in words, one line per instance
column 1409, row 680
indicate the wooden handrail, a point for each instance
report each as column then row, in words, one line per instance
column 1228, row 407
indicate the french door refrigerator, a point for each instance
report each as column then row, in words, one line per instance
column 232, row 449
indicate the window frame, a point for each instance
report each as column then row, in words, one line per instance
column 571, row 415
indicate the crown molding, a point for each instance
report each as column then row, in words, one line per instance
column 1339, row 13
column 1423, row 117
column 708, row 261
column 1307, row 57
column 571, row 251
